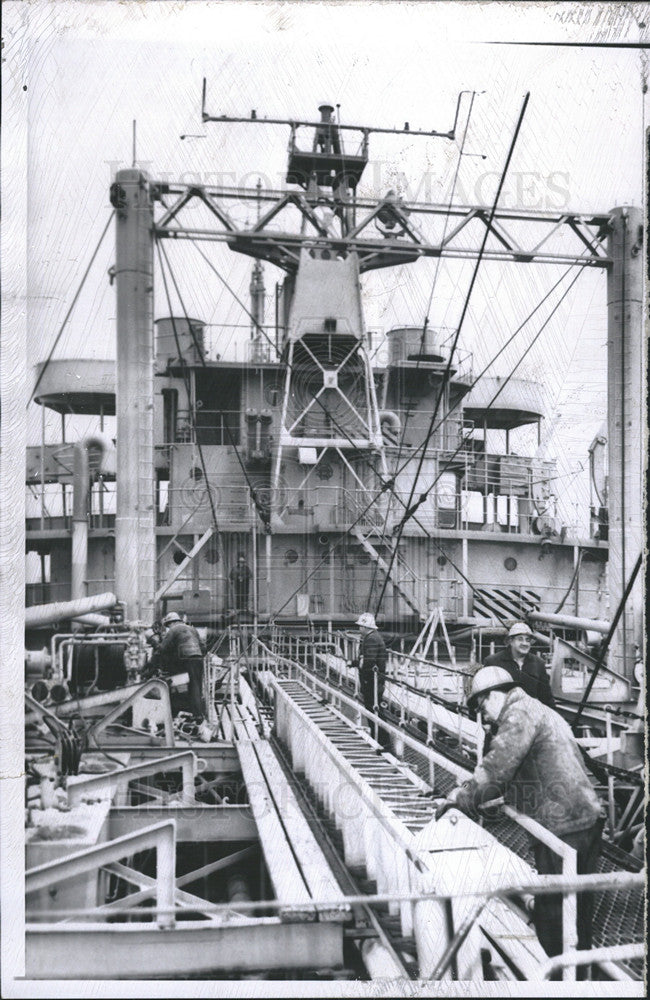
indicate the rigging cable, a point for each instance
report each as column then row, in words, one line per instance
column 419, row 523
column 72, row 305
column 253, row 491
column 426, row 320
column 234, row 295
column 571, row 583
column 264, row 517
column 188, row 388
column 452, row 351
column 423, row 496
column 389, row 483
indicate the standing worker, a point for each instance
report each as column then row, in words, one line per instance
column 180, row 649
column 535, row 760
column 526, row 669
column 372, row 664
column 240, row 580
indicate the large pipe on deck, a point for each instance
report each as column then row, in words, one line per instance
column 93, row 621
column 48, row 614
column 570, row 621
column 135, row 540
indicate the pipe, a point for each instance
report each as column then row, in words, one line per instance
column 570, row 621
column 379, row 962
column 48, row 614
column 96, row 621
column 37, row 661
column 389, row 416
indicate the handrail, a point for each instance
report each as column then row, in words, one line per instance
column 535, row 829
column 115, row 781
column 610, row 953
column 541, row 886
column 161, row 836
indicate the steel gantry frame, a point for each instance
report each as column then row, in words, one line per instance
column 371, row 237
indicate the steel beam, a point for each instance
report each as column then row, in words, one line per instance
column 199, row 824
column 160, row 836
column 140, row 951
column 585, row 231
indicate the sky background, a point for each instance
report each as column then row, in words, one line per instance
column 92, row 68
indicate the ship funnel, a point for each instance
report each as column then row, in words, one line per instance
column 326, row 112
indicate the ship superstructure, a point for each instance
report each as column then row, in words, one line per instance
column 340, row 479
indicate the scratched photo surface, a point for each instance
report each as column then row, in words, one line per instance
column 323, row 430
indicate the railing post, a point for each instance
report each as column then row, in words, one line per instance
column 610, row 777
column 166, row 879
column 569, row 909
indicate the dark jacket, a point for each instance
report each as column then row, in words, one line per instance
column 535, row 760
column 532, row 676
column 373, row 652
column 180, row 641
column 240, row 577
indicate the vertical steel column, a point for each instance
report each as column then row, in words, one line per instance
column 135, row 540
column 625, row 395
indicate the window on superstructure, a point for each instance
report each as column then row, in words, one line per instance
column 218, row 407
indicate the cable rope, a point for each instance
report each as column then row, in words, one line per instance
column 490, row 404
column 423, row 496
column 252, row 488
column 419, row 523
column 72, row 305
column 573, row 580
column 426, row 320
column 188, row 388
column 389, row 483
column 493, row 360
column 452, row 351
column 234, row 295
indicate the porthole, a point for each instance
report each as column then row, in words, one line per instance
column 510, row 563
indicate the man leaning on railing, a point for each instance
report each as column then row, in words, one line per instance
column 535, row 760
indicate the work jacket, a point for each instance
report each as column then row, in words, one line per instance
column 180, row 641
column 240, row 577
column 535, row 761
column 531, row 676
column 373, row 653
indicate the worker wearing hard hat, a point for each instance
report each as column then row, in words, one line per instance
column 524, row 667
column 535, row 762
column 372, row 662
column 180, row 648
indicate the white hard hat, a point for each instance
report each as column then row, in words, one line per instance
column 488, row 679
column 520, row 628
column 366, row 620
column 171, row 617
